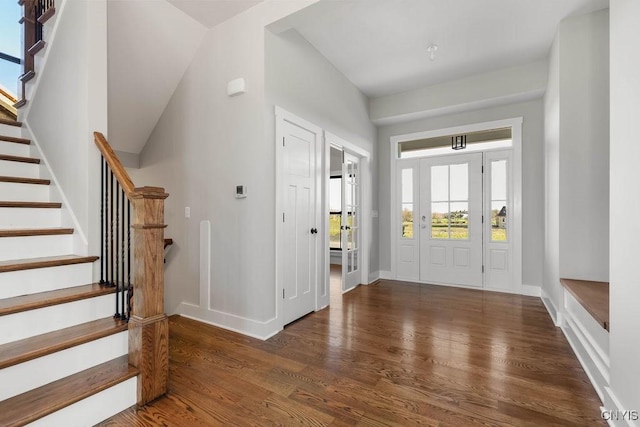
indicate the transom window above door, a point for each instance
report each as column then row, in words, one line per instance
column 441, row 145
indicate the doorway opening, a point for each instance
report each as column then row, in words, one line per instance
column 335, row 223
column 457, row 213
column 345, row 222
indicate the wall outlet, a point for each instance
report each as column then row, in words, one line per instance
column 187, row 212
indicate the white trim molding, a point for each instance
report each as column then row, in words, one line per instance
column 531, row 290
column 615, row 414
column 550, row 306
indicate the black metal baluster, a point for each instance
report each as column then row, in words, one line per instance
column 130, row 292
column 39, row 10
column 102, row 203
column 122, row 244
column 113, row 278
column 116, row 254
column 105, row 260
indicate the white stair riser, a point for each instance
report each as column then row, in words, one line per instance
column 35, row 322
column 35, row 246
column 7, row 130
column 13, row 149
column 12, row 218
column 13, row 191
column 24, row 170
column 94, row 409
column 35, row 373
column 25, row 282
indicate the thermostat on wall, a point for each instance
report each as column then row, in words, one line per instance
column 241, row 191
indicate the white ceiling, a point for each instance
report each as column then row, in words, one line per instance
column 381, row 45
column 212, row 12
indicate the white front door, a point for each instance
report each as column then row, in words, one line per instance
column 450, row 220
column 350, row 224
column 299, row 246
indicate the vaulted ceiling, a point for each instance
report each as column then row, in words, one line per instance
column 381, row 45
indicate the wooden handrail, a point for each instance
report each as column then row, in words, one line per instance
column 114, row 164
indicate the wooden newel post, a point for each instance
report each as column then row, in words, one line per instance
column 148, row 325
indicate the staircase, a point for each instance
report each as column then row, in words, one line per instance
column 63, row 356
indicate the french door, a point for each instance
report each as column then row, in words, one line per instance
column 451, row 217
column 350, row 225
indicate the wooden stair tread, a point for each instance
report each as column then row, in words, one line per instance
column 15, row 139
column 20, row 103
column 21, row 180
column 44, row 262
column 49, row 298
column 10, row 122
column 31, row 348
column 19, row 159
column 42, row 401
column 35, row 232
column 593, row 296
column 41, row 205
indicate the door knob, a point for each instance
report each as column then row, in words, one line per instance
column 314, row 231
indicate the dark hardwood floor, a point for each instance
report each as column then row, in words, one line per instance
column 392, row 353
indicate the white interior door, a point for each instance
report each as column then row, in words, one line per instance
column 451, row 250
column 350, row 224
column 299, row 264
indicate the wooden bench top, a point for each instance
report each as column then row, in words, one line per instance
column 593, row 296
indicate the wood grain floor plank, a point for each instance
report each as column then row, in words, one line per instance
column 393, row 353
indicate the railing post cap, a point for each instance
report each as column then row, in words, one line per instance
column 149, row 193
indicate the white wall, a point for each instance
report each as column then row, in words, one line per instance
column 150, row 45
column 302, row 81
column 204, row 144
column 577, row 154
column 584, row 146
column 500, row 87
column 68, row 102
column 532, row 171
column 624, row 350
column 551, row 294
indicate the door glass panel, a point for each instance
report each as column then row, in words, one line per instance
column 407, row 204
column 335, row 211
column 459, row 182
column 439, row 183
column 348, row 195
column 440, row 220
column 356, row 258
column 459, row 218
column 499, row 223
column 407, row 220
column 450, row 201
column 349, row 262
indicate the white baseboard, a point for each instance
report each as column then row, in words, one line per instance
column 386, row 275
column 531, row 290
column 615, row 414
column 374, row 276
column 551, row 307
column 231, row 322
